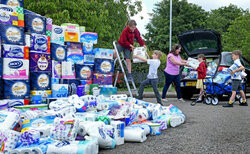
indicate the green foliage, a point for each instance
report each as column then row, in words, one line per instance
column 105, row 17
column 238, row 36
column 185, row 16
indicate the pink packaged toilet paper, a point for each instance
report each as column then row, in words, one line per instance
column 15, row 68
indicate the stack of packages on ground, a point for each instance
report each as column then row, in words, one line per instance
column 57, row 94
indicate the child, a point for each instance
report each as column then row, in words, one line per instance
column 152, row 77
column 236, row 80
column 202, row 73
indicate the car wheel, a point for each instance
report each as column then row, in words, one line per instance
column 187, row 95
column 215, row 100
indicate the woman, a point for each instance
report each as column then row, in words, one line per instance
column 171, row 72
column 126, row 42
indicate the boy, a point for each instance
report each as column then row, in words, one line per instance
column 236, row 80
column 152, row 77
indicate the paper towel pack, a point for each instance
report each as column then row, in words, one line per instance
column 16, row 89
column 40, row 62
column 68, row 70
column 40, row 80
column 89, row 37
column 103, row 53
column 74, row 52
column 12, row 34
column 84, row 72
column 140, row 51
column 15, row 51
column 16, row 3
column 15, row 68
column 58, row 52
column 35, row 23
column 39, row 42
column 57, row 35
column 56, row 69
column 118, row 132
column 71, row 32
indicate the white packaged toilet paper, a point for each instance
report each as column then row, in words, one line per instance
column 139, row 51
column 8, row 120
column 142, row 115
column 134, row 134
column 57, row 35
column 81, row 129
column 118, row 132
column 9, row 139
column 173, row 120
column 119, row 97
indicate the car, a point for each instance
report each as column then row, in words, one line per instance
column 207, row 42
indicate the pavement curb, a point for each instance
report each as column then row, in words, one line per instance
column 149, row 94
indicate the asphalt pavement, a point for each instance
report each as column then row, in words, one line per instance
column 208, row 129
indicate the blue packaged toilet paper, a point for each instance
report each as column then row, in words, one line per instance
column 35, row 23
column 89, row 37
column 87, row 48
column 18, row 3
column 14, row 51
column 16, row 89
column 60, row 90
column 84, row 72
column 1, row 67
column 89, row 58
column 38, row 42
column 12, row 34
column 104, row 66
column 103, row 53
column 40, row 96
column 73, row 84
column 74, row 52
column 59, row 52
column 40, row 80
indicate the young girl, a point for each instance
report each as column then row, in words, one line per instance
column 202, row 73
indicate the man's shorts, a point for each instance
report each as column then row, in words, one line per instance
column 236, row 85
column 126, row 52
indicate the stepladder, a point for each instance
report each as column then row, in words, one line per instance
column 121, row 62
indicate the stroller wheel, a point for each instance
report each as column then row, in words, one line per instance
column 237, row 97
column 215, row 100
column 193, row 103
column 240, row 100
column 208, row 100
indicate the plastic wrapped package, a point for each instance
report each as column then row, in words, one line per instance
column 134, row 134
column 8, row 140
column 8, row 120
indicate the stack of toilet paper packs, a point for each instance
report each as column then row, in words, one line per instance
column 56, row 93
column 84, row 124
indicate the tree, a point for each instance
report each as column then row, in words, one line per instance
column 238, row 36
column 220, row 19
column 185, row 16
column 105, row 17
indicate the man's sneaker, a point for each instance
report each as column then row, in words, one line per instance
column 243, row 104
column 181, row 100
column 164, row 99
column 228, row 105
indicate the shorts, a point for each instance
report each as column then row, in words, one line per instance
column 126, row 52
column 236, row 85
column 199, row 84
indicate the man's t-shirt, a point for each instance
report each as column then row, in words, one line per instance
column 153, row 67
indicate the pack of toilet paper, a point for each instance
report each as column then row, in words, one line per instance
column 40, row 80
column 68, row 70
column 38, row 42
column 89, row 58
column 16, row 102
column 58, row 52
column 35, row 23
column 87, row 48
column 139, row 51
column 104, row 66
column 57, row 35
column 84, row 72
column 89, row 37
column 73, row 84
column 40, row 96
column 56, row 69
column 71, row 32
column 74, row 52
column 8, row 15
column 15, row 68
column 8, row 140
column 16, row 89
column 15, row 51
column 102, row 79
column 103, row 53
column 8, row 120
column 14, row 3
column 60, row 90
column 40, row 62
column 12, row 34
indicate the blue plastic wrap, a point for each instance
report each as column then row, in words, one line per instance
column 35, row 23
column 12, row 34
column 59, row 52
column 16, row 89
column 104, row 66
column 84, row 72
column 40, row 80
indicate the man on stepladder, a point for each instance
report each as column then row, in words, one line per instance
column 126, row 42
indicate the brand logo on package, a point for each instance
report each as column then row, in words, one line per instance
column 60, row 53
column 19, row 89
column 58, row 30
column 4, row 16
column 38, row 123
column 16, row 50
column 15, row 64
column 13, row 3
column 41, row 40
column 7, row 9
column 42, row 63
column 13, row 34
column 85, row 72
column 43, row 80
column 37, row 24
column 106, row 66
